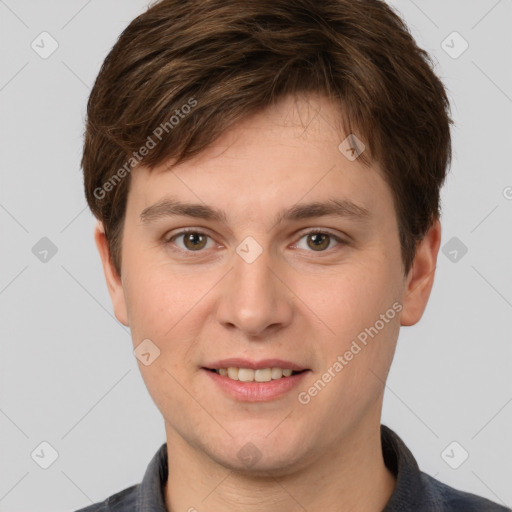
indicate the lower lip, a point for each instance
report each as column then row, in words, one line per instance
column 256, row 391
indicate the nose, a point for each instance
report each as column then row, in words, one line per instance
column 254, row 298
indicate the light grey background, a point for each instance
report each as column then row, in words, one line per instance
column 68, row 375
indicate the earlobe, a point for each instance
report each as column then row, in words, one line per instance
column 112, row 278
column 420, row 279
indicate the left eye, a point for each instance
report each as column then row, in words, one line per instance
column 319, row 240
column 195, row 241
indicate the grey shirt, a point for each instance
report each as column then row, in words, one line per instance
column 415, row 491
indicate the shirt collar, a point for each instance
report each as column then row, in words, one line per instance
column 397, row 457
column 150, row 496
column 410, row 491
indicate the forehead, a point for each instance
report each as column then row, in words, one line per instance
column 284, row 155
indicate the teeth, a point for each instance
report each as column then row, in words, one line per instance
column 233, row 373
column 249, row 375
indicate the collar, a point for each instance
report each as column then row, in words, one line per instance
column 408, row 493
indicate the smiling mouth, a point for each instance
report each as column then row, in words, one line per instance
column 249, row 375
column 256, row 385
column 218, row 371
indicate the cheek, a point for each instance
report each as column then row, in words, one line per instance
column 156, row 306
column 159, row 307
column 355, row 297
column 170, row 309
column 156, row 297
column 362, row 309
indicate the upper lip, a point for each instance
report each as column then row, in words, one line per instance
column 238, row 362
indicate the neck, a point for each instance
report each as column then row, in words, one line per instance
column 350, row 477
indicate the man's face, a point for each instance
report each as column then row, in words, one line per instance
column 304, row 299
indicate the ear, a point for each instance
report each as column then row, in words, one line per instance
column 421, row 276
column 114, row 283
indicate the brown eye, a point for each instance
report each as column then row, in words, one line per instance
column 193, row 241
column 319, row 241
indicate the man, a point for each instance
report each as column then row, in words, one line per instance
column 266, row 179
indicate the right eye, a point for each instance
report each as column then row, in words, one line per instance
column 192, row 240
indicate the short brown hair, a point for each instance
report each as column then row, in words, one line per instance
column 232, row 58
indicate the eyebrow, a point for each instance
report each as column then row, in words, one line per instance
column 335, row 207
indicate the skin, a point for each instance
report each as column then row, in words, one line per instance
column 295, row 302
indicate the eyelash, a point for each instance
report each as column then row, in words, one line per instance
column 169, row 241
